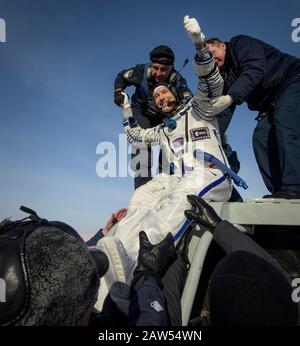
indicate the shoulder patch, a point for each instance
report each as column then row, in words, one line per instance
column 178, row 142
column 128, row 74
column 200, row 133
column 156, row 306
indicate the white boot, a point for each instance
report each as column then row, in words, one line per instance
column 119, row 275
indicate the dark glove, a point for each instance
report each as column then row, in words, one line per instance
column 203, row 213
column 232, row 158
column 157, row 258
column 118, row 98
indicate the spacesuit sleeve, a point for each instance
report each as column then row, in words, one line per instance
column 138, row 136
column 224, row 119
column 252, row 64
column 210, row 85
column 135, row 134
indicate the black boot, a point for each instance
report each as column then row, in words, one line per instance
column 285, row 194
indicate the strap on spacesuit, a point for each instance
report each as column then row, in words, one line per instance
column 226, row 170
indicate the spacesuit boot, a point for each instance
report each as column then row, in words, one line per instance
column 117, row 279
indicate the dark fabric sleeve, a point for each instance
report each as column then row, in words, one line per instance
column 120, row 81
column 109, row 317
column 148, row 304
column 182, row 84
column 250, row 56
column 231, row 240
column 130, row 76
column 95, row 238
column 224, row 119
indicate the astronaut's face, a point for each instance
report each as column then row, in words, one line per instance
column 218, row 49
column 164, row 99
column 160, row 73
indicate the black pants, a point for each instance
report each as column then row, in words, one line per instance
column 173, row 282
column 276, row 142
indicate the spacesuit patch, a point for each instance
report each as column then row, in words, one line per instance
column 200, row 133
column 178, row 142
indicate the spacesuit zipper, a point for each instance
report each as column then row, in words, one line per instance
column 168, row 139
column 186, row 140
column 186, row 131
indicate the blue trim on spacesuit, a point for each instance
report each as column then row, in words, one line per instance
column 201, row 194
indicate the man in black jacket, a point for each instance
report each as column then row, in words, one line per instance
column 248, row 287
column 144, row 77
column 269, row 82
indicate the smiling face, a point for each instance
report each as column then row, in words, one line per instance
column 164, row 99
column 160, row 73
column 218, row 49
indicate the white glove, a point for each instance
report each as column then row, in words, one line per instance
column 193, row 29
column 216, row 105
column 127, row 111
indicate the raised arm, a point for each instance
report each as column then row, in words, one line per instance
column 210, row 86
column 135, row 134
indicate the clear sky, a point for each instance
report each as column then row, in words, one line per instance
column 56, row 92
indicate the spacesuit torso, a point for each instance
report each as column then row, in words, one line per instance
column 191, row 133
column 189, row 129
column 180, row 136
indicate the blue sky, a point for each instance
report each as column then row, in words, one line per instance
column 56, row 92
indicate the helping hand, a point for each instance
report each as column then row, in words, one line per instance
column 155, row 258
column 114, row 218
column 204, row 214
column 118, row 97
column 216, row 105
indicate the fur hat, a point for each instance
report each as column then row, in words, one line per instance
column 49, row 274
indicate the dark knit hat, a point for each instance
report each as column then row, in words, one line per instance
column 49, row 276
column 246, row 290
column 162, row 55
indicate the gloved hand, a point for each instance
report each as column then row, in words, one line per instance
column 127, row 111
column 204, row 214
column 193, row 29
column 157, row 258
column 216, row 105
column 118, row 97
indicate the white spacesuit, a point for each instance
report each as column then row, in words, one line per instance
column 158, row 206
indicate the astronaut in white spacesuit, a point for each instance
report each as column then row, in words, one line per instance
column 158, row 206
